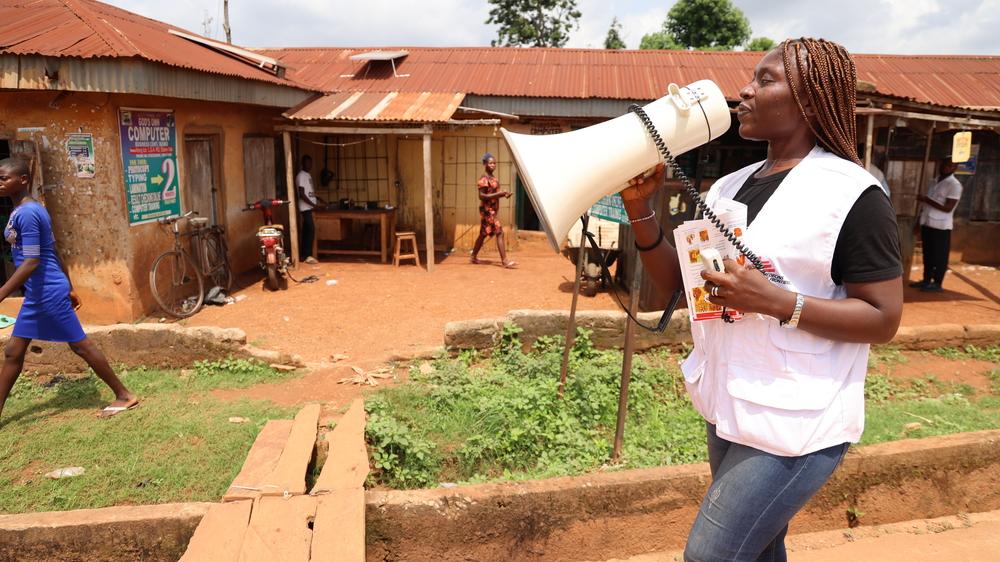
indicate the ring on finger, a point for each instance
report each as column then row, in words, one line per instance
column 714, row 291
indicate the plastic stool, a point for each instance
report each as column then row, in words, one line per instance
column 414, row 252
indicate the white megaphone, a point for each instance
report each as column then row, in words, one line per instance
column 565, row 174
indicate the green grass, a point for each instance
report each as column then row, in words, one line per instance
column 475, row 419
column 989, row 353
column 178, row 445
column 472, row 420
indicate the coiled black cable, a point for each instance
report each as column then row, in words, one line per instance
column 661, row 145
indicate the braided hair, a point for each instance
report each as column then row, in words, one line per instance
column 829, row 83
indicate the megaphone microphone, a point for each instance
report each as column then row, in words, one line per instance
column 566, row 173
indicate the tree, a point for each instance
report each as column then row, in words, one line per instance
column 705, row 25
column 659, row 40
column 614, row 38
column 533, row 23
column 761, row 44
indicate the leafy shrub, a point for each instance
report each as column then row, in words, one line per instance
column 503, row 417
column 401, row 457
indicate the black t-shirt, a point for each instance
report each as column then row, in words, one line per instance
column 868, row 245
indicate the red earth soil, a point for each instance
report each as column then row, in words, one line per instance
column 375, row 311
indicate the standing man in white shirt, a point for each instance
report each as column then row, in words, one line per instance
column 936, row 224
column 307, row 201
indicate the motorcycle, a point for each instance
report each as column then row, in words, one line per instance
column 273, row 259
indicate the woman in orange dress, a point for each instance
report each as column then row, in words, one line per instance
column 489, row 206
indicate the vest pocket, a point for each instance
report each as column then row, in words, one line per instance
column 793, row 373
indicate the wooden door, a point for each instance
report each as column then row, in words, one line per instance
column 201, row 177
column 459, row 198
column 410, row 161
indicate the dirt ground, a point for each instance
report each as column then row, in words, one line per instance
column 370, row 312
column 375, row 311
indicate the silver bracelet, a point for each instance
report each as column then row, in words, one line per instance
column 793, row 322
column 645, row 218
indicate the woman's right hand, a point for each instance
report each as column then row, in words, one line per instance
column 643, row 186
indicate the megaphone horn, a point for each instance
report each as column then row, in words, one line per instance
column 566, row 173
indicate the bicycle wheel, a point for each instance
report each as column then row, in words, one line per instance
column 177, row 285
column 220, row 274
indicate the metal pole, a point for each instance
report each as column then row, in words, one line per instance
column 225, row 21
column 571, row 324
column 627, row 359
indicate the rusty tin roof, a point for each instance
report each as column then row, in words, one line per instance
column 948, row 80
column 88, row 29
column 424, row 107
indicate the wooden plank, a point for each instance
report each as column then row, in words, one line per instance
column 279, row 530
column 219, row 536
column 339, row 530
column 261, row 460
column 289, row 474
column 347, row 464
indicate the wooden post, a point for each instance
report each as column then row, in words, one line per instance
column 293, row 198
column 627, row 358
column 921, row 187
column 868, row 141
column 571, row 323
column 428, row 204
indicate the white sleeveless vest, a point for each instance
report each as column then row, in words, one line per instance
column 786, row 391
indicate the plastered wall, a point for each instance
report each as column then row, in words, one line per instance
column 108, row 259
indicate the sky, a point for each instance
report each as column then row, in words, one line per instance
column 863, row 26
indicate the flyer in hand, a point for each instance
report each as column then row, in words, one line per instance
column 693, row 236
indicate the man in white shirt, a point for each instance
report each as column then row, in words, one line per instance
column 307, row 201
column 936, row 223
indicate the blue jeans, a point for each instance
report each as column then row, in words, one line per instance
column 753, row 496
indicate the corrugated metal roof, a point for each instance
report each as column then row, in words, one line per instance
column 423, row 107
column 950, row 80
column 88, row 29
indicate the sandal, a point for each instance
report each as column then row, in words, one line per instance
column 109, row 411
column 474, row 261
column 510, row 265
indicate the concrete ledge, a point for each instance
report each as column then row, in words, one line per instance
column 609, row 329
column 151, row 533
column 610, row 515
column 151, row 345
column 596, row 517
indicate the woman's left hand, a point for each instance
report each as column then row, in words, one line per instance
column 744, row 289
column 74, row 300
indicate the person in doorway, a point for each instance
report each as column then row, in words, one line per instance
column 936, row 223
column 48, row 310
column 308, row 200
column 782, row 389
column 489, row 206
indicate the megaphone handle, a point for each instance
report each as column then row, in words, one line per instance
column 661, row 145
column 667, row 312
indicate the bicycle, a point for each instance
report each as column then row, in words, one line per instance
column 177, row 279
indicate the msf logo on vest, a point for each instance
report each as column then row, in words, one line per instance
column 769, row 271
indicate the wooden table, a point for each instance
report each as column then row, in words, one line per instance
column 387, row 226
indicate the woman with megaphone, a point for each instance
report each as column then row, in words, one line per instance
column 782, row 389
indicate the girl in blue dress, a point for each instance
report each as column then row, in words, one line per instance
column 48, row 311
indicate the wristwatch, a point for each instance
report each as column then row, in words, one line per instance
column 793, row 322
